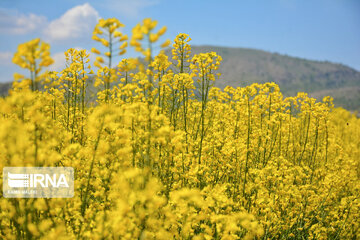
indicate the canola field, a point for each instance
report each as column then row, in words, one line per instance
column 160, row 153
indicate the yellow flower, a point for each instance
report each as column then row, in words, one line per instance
column 166, row 43
column 94, row 50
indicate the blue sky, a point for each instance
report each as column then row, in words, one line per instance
column 312, row 29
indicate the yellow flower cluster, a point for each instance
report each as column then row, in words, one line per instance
column 116, row 43
column 32, row 55
column 182, row 50
column 163, row 154
column 146, row 30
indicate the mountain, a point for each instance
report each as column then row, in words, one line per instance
column 243, row 66
column 4, row 89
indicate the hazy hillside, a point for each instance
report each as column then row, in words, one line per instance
column 4, row 88
column 241, row 67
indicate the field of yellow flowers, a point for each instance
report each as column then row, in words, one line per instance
column 163, row 154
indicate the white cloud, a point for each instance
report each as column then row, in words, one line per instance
column 5, row 58
column 59, row 62
column 129, row 8
column 77, row 22
column 15, row 23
